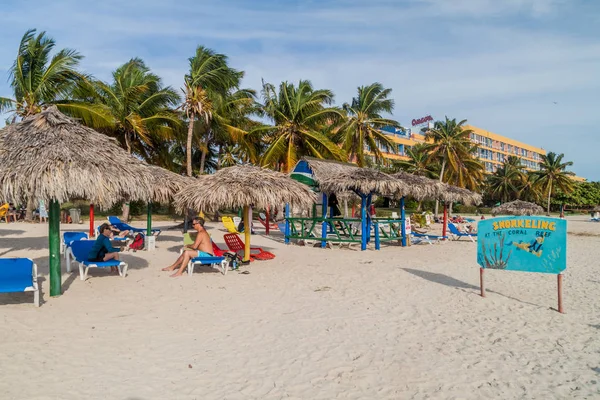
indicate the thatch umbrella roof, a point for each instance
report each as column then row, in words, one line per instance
column 518, row 207
column 244, row 185
column 165, row 184
column 51, row 156
column 422, row 188
column 451, row 194
column 365, row 181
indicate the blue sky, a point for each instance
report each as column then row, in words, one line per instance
column 502, row 65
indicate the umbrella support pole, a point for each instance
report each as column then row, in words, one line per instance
column 403, row 218
column 91, row 220
column 54, row 247
column 149, row 220
column 481, row 282
column 560, row 297
column 287, row 223
column 247, row 231
column 445, row 227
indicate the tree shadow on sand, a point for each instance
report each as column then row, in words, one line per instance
column 10, row 232
column 455, row 283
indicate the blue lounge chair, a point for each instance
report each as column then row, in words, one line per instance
column 432, row 237
column 69, row 237
column 219, row 263
column 19, row 275
column 458, row 234
column 79, row 252
column 122, row 226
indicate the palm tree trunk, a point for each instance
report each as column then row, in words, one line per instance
column 29, row 210
column 188, row 146
column 203, row 159
column 549, row 195
column 437, row 202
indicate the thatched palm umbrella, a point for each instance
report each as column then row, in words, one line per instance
column 450, row 194
column 422, row 188
column 518, row 207
column 244, row 186
column 50, row 156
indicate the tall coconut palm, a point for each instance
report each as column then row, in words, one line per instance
column 508, row 180
column 451, row 146
column 361, row 129
column 139, row 107
column 300, row 116
column 39, row 79
column 553, row 174
column 208, row 78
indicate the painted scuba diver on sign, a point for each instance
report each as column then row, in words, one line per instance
column 533, row 247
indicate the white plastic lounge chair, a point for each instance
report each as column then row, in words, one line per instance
column 79, row 252
column 19, row 275
column 218, row 263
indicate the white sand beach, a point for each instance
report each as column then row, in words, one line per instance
column 400, row 323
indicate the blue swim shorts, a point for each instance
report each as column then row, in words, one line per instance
column 204, row 254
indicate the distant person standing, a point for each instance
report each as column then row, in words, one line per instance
column 43, row 212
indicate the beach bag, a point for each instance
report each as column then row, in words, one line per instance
column 233, row 259
column 138, row 242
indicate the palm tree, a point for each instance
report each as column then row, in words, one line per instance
column 361, row 129
column 508, row 180
column 209, row 77
column 553, row 174
column 451, row 145
column 137, row 109
column 419, row 162
column 39, row 79
column 137, row 106
column 300, row 116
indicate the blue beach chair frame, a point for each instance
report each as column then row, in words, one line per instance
column 458, row 234
column 79, row 252
column 19, row 275
column 122, row 226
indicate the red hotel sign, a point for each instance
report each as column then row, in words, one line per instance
column 420, row 121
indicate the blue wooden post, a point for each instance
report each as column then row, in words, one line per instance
column 369, row 220
column 287, row 223
column 403, row 217
column 363, row 222
column 377, row 244
column 324, row 223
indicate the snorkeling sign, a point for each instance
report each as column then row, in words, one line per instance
column 529, row 244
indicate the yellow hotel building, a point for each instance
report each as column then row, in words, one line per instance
column 493, row 148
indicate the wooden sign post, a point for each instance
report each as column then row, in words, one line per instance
column 530, row 244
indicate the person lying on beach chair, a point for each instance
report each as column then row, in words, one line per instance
column 102, row 249
column 202, row 247
column 114, row 232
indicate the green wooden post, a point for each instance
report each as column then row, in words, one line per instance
column 149, row 220
column 54, row 246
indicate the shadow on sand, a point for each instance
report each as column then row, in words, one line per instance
column 455, row 283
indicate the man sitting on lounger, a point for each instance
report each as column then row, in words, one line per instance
column 102, row 250
column 202, row 247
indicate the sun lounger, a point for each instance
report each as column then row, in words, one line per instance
column 262, row 218
column 80, row 249
column 4, row 212
column 219, row 263
column 19, row 275
column 432, row 237
column 229, row 225
column 419, row 239
column 122, row 226
column 456, row 234
column 69, row 237
column 235, row 244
